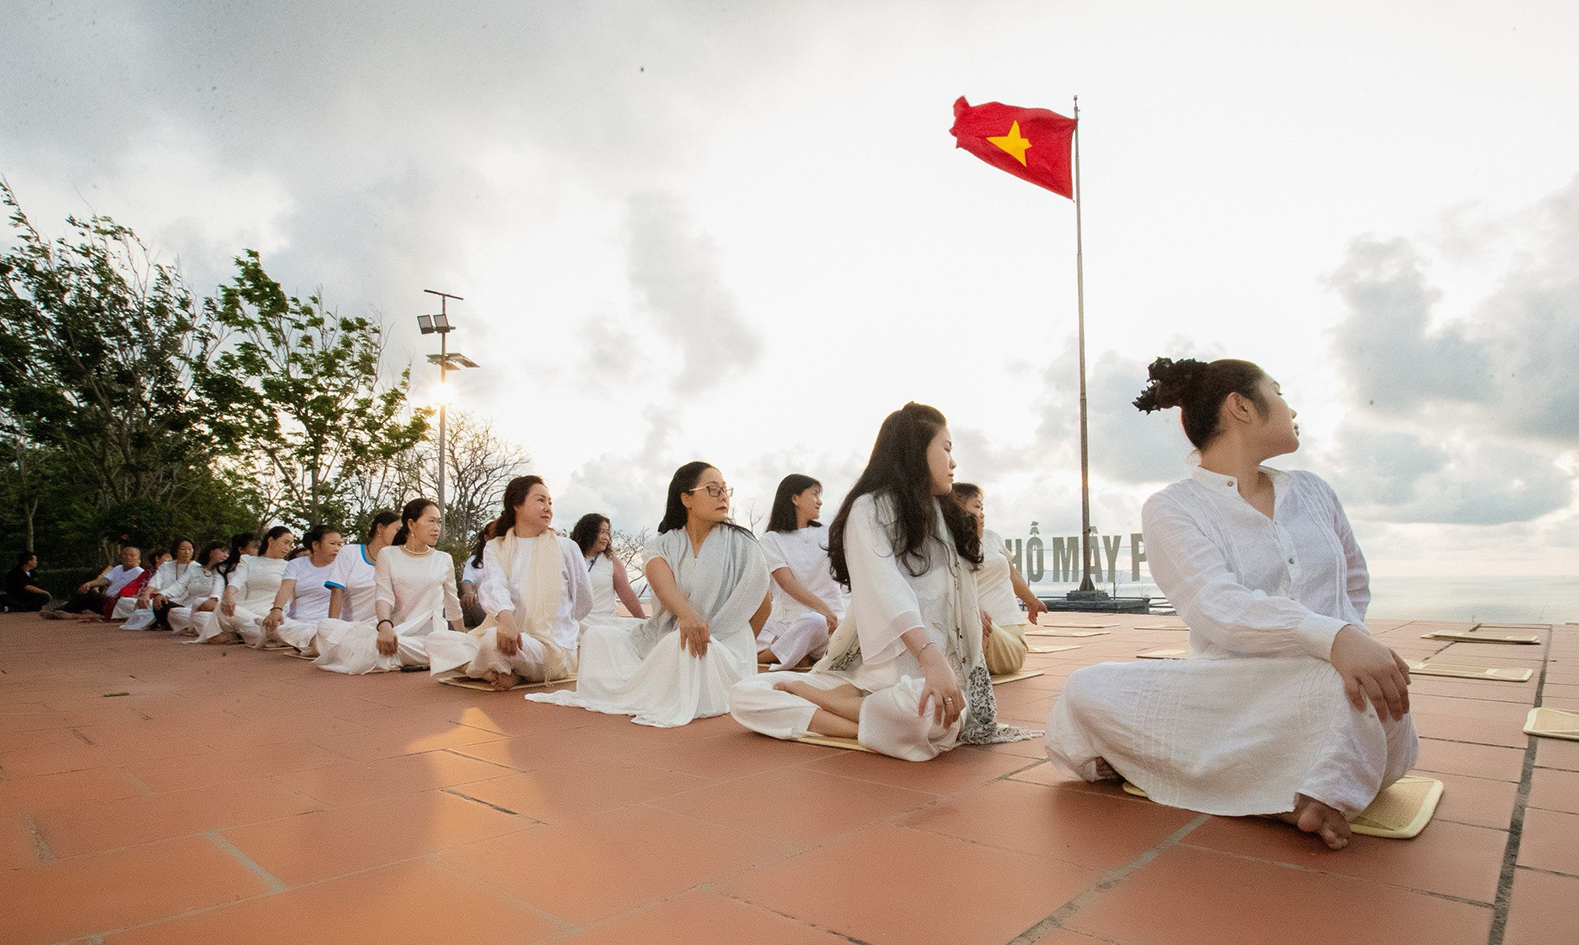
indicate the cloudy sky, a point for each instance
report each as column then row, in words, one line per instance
column 740, row 231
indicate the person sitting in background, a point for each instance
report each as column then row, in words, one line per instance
column 998, row 583
column 123, row 605
column 22, row 593
column 807, row 605
column 250, row 587
column 197, row 605
column 303, row 596
column 90, row 599
column 167, row 586
column 472, row 574
column 610, row 581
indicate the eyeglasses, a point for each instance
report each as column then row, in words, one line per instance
column 714, row 490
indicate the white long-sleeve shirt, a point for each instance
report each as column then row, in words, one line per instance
column 1248, row 585
column 499, row 591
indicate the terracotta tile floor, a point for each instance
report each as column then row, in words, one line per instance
column 158, row 794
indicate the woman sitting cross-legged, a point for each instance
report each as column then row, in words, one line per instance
column 904, row 674
column 414, row 595
column 711, row 582
column 1287, row 706
column 807, row 604
column 1000, row 589
column 200, row 601
column 302, row 600
column 172, row 581
column 250, row 588
column 534, row 592
column 351, row 580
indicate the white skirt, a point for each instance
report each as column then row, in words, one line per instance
column 352, row 648
column 1233, row 737
column 669, row 687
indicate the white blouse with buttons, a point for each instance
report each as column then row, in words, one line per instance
column 1249, row 585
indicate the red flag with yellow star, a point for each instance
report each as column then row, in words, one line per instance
column 1030, row 143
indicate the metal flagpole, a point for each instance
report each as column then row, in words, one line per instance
column 1086, row 586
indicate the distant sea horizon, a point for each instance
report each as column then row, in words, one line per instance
column 1544, row 599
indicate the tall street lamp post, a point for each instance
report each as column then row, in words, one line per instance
column 447, row 361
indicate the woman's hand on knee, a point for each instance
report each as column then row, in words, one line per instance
column 1371, row 671
column 694, row 636
column 940, row 693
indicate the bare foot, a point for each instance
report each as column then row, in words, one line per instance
column 795, row 687
column 1105, row 771
column 765, row 658
column 1312, row 816
column 503, row 682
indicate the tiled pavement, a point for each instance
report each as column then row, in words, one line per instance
column 159, row 794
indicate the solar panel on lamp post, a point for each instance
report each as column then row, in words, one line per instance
column 440, row 325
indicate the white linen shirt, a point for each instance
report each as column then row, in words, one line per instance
column 1248, row 585
column 501, row 592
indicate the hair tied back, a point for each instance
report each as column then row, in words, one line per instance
column 1169, row 383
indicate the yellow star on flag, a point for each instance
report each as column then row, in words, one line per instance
column 1013, row 143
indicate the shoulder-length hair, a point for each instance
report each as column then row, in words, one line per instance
column 898, row 470
column 238, row 544
column 684, row 480
column 585, row 534
column 783, row 518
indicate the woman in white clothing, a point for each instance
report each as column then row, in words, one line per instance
column 807, row 605
column 711, row 582
column 534, row 593
column 1000, row 590
column 350, row 581
column 201, row 599
column 904, row 673
column 472, row 577
column 168, row 586
column 1287, row 706
column 250, row 588
column 414, row 595
column 610, row 581
column 302, row 600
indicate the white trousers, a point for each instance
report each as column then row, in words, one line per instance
column 806, row 635
column 475, row 655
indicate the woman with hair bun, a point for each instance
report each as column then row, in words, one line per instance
column 302, row 600
column 711, row 585
column 1287, row 706
column 414, row 594
column 904, row 674
column 250, row 588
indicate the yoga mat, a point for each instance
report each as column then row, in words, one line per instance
column 1161, row 626
column 1398, row 813
column 829, row 741
column 1049, row 649
column 298, row 654
column 1465, row 636
column 1502, row 674
column 1016, row 677
column 1164, row 655
column 1071, row 626
column 1513, row 626
column 277, row 646
column 465, row 682
column 1042, row 632
column 1552, row 723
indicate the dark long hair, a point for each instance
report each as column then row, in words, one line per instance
column 381, row 518
column 514, row 494
column 411, row 513
column 238, row 544
column 684, row 480
column 481, row 541
column 1198, row 389
column 315, row 536
column 783, row 518
column 270, row 535
column 898, row 469
column 585, row 534
column 208, row 550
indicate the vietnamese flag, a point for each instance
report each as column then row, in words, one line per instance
column 1030, row 143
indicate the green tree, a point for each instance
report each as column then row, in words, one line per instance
column 304, row 397
column 102, row 353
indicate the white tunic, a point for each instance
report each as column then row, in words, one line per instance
column 473, row 572
column 805, row 552
column 353, row 574
column 256, row 580
column 311, row 600
column 500, row 591
column 173, row 579
column 118, row 577
column 605, row 600
column 638, row 668
column 1257, row 714
column 995, row 585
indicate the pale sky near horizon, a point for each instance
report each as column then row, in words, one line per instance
column 742, row 233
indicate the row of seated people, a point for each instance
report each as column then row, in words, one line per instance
column 1287, row 708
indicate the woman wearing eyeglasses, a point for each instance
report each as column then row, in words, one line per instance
column 711, row 582
column 904, row 673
